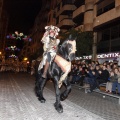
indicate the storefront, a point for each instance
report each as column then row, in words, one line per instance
column 110, row 57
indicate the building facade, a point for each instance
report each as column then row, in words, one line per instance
column 3, row 26
column 100, row 16
column 107, row 24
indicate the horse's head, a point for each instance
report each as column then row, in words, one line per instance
column 68, row 48
column 71, row 49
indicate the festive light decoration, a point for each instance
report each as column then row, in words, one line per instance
column 13, row 56
column 19, row 36
column 12, row 48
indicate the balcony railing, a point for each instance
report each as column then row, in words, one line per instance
column 65, row 23
column 79, row 11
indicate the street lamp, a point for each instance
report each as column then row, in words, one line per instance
column 25, row 58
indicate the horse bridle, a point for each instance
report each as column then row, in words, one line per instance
column 73, row 49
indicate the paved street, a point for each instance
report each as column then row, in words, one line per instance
column 18, row 102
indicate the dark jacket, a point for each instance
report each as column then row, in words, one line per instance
column 104, row 75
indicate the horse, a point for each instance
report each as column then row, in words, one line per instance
column 58, row 71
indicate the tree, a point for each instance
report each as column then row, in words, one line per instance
column 84, row 40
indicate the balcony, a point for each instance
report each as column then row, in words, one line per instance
column 66, row 10
column 65, row 24
column 78, row 11
column 102, row 19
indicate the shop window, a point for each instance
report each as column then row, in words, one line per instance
column 116, row 48
column 115, row 32
column 106, row 35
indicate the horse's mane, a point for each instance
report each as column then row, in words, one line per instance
column 62, row 49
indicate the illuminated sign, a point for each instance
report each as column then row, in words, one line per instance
column 100, row 56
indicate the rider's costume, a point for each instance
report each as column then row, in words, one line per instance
column 50, row 47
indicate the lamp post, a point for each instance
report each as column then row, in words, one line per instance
column 94, row 46
column 0, row 55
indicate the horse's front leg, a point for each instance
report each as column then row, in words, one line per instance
column 57, row 104
column 64, row 95
column 39, row 86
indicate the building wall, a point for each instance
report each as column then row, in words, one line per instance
column 93, row 15
column 4, row 18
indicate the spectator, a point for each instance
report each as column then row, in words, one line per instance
column 116, row 82
column 109, row 83
column 90, row 78
column 97, row 63
column 97, row 69
column 103, row 76
column 93, row 64
column 109, row 68
column 118, row 59
column 73, row 73
column 78, row 77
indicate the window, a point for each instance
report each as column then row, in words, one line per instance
column 109, row 7
column 64, row 2
column 58, row 7
column 49, row 18
column 114, row 32
column 57, row 20
column 106, row 35
column 99, row 12
column 105, row 6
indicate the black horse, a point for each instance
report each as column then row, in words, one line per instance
column 55, row 72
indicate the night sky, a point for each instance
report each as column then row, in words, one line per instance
column 22, row 14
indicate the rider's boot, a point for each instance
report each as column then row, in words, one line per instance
column 45, row 70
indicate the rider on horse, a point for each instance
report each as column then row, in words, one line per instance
column 50, row 47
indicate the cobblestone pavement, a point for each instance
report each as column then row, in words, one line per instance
column 18, row 102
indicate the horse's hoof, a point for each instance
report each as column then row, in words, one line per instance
column 60, row 111
column 62, row 97
column 42, row 100
column 59, row 108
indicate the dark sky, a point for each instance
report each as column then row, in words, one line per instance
column 22, row 14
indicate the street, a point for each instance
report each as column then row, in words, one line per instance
column 18, row 102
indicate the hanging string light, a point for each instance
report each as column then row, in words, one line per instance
column 13, row 56
column 12, row 48
column 19, row 36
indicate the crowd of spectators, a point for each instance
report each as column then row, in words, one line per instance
column 95, row 74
